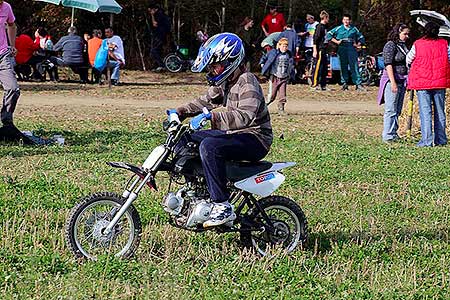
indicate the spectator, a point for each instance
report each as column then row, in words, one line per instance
column 320, row 44
column 46, row 50
column 116, row 54
column 279, row 65
column 94, row 44
column 245, row 32
column 7, row 76
column 430, row 76
column 71, row 46
column 159, row 28
column 86, row 38
column 44, row 39
column 308, row 34
column 293, row 39
column 348, row 38
column 26, row 48
column 273, row 22
column 393, row 81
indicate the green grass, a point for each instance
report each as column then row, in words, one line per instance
column 378, row 217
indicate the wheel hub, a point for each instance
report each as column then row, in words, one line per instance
column 98, row 232
column 281, row 232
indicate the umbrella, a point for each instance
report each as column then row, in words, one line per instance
column 108, row 6
column 425, row 16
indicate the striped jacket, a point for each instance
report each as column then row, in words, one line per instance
column 246, row 110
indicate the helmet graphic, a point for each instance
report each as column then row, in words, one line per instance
column 220, row 55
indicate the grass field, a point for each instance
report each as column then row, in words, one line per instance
column 379, row 216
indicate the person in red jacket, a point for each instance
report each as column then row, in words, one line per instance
column 430, row 76
column 273, row 22
column 25, row 53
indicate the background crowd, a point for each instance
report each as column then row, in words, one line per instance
column 277, row 46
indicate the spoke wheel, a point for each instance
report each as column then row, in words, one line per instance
column 289, row 226
column 173, row 63
column 365, row 76
column 309, row 69
column 85, row 229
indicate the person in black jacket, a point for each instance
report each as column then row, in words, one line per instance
column 159, row 28
column 320, row 53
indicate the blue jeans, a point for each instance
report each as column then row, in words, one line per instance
column 216, row 148
column 392, row 109
column 115, row 66
column 432, row 100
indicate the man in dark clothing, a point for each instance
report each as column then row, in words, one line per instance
column 246, row 33
column 320, row 53
column 159, row 28
column 72, row 47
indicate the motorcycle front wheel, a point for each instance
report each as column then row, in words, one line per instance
column 289, row 226
column 85, row 226
column 173, row 63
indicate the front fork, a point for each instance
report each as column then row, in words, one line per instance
column 130, row 194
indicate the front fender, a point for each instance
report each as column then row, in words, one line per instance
column 136, row 170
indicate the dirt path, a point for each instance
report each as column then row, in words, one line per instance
column 157, row 92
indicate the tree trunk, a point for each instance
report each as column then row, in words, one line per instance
column 222, row 25
column 252, row 9
column 179, row 25
column 355, row 10
column 291, row 7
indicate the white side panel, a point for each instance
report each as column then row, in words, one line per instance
column 265, row 183
column 262, row 185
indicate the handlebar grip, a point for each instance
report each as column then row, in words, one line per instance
column 173, row 117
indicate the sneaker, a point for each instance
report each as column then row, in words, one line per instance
column 360, row 88
column 345, row 87
column 114, row 82
column 221, row 213
column 281, row 110
column 158, row 69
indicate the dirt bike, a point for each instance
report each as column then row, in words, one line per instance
column 369, row 67
column 178, row 61
column 108, row 223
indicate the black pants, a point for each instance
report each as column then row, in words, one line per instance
column 156, row 51
column 320, row 69
column 79, row 69
column 36, row 63
column 216, row 148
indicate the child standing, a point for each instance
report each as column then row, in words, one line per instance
column 278, row 64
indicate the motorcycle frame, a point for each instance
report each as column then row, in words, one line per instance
column 148, row 178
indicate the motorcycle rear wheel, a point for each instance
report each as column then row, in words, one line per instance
column 289, row 221
column 87, row 220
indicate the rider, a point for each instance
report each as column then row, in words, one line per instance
column 240, row 132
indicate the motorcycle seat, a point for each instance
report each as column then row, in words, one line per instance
column 238, row 170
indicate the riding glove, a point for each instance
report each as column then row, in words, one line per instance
column 200, row 120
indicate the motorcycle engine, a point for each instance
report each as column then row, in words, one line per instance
column 188, row 207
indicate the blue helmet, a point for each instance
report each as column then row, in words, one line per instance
column 221, row 54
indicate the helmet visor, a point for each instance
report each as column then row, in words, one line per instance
column 215, row 69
